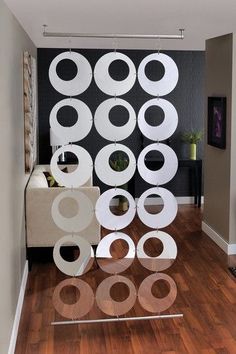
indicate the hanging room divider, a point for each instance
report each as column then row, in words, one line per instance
column 75, row 313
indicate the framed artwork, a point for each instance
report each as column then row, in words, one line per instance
column 30, row 111
column 216, row 135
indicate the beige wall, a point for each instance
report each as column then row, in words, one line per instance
column 219, row 164
column 12, row 177
column 232, row 225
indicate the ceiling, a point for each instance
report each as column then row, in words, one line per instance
column 202, row 19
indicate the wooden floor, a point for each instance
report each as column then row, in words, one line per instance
column 206, row 297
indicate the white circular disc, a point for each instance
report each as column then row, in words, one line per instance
column 80, row 129
column 165, row 216
column 103, row 79
column 82, row 264
column 83, row 217
column 104, row 126
column 104, row 258
column 82, row 173
column 165, row 259
column 166, row 172
column 166, row 128
column 167, row 83
column 81, row 307
column 106, row 174
column 79, row 83
column 152, row 303
column 104, row 215
column 110, row 306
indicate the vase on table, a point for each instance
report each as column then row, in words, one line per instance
column 193, row 151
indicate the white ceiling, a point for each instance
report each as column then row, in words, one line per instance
column 201, row 19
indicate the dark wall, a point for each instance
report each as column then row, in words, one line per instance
column 187, row 97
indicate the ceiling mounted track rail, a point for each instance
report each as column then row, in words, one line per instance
column 107, row 35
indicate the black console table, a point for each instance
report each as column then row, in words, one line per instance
column 194, row 165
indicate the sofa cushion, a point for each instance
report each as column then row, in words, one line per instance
column 38, row 180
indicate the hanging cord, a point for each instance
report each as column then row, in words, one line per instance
column 159, row 45
column 114, row 44
column 69, row 42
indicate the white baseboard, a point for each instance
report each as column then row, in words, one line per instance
column 158, row 201
column 229, row 249
column 20, row 301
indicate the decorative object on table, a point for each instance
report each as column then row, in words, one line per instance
column 30, row 111
column 119, row 162
column 192, row 138
column 216, row 134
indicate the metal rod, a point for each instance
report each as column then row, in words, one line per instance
column 107, row 35
column 116, row 319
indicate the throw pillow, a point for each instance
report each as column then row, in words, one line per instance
column 51, row 180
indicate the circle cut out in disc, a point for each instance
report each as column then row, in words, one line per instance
column 105, row 82
column 105, row 301
column 82, row 264
column 165, row 259
column 155, row 304
column 166, row 172
column 104, row 258
column 81, row 307
column 83, row 217
column 80, row 129
column 165, row 216
column 104, row 215
column 167, row 83
column 81, row 174
column 104, row 126
column 104, row 171
column 166, row 128
column 79, row 83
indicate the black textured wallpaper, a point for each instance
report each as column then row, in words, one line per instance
column 187, row 97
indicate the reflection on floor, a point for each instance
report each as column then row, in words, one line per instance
column 206, row 297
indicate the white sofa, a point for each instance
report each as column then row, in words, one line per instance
column 41, row 231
